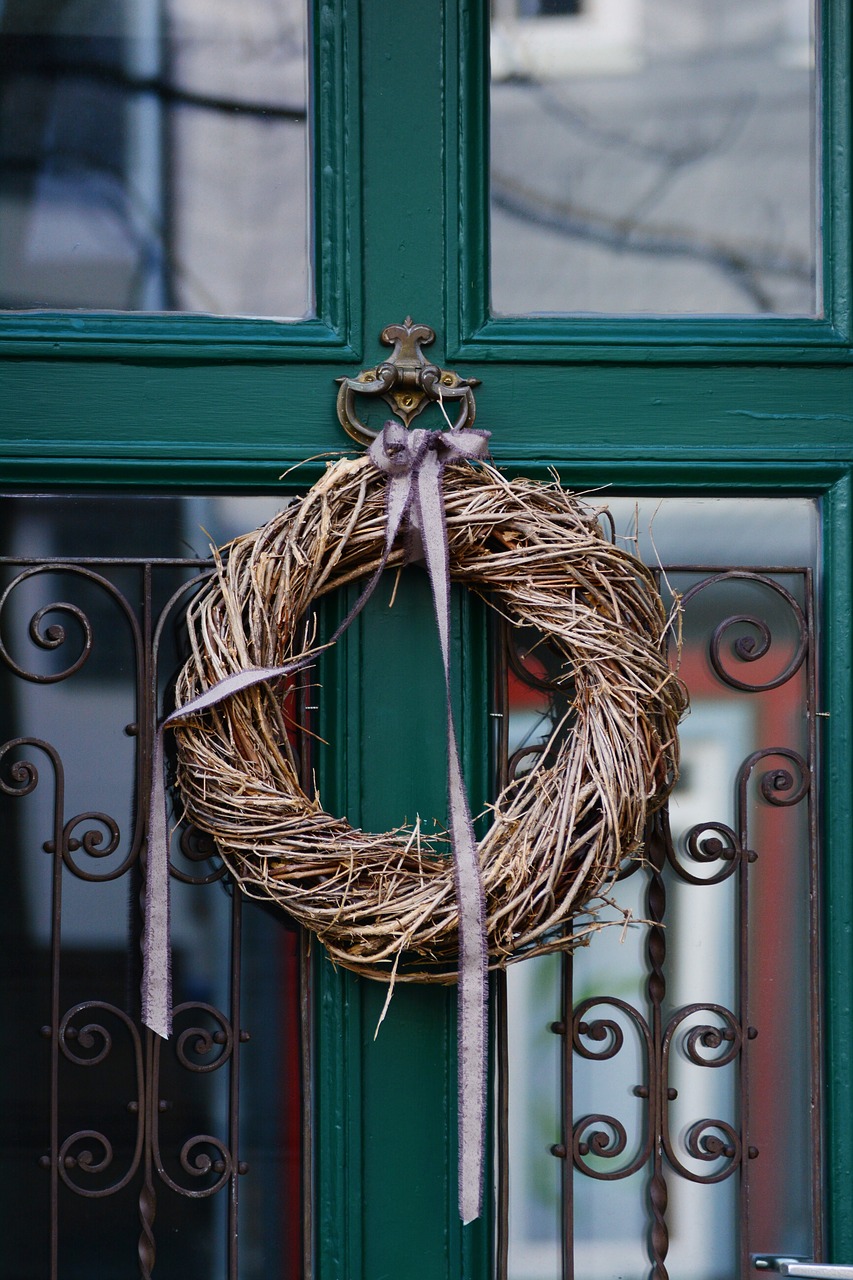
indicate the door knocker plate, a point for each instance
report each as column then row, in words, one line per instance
column 406, row 381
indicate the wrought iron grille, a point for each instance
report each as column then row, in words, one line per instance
column 681, row 1089
column 117, row 1147
column 122, row 1152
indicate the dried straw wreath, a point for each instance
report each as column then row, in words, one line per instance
column 558, row 835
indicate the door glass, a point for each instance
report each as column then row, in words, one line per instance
column 662, row 1085
column 117, row 1149
column 154, row 156
column 653, row 156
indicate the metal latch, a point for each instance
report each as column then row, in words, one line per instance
column 801, row 1267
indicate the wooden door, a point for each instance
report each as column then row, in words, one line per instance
column 192, row 404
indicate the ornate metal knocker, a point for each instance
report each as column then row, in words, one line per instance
column 406, row 381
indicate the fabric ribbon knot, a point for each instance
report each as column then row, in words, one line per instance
column 414, row 462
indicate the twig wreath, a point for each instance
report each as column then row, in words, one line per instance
column 559, row 834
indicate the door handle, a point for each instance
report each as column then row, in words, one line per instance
column 802, row 1267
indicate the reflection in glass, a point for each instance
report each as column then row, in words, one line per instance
column 154, row 156
column 653, row 156
column 736, row 949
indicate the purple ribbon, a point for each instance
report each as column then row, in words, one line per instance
column 414, row 462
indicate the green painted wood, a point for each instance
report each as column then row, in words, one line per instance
column 685, row 472
column 153, row 339
column 336, row 1041
column 838, row 883
column 472, row 624
column 245, row 413
column 403, row 166
column 336, row 90
column 837, row 162
column 387, row 1196
column 659, row 341
column 673, row 406
column 336, row 1195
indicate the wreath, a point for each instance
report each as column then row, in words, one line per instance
column 558, row 836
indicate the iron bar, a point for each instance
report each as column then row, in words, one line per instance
column 234, row 1086
column 567, row 1170
column 499, row 1006
column 657, row 1107
column 55, row 961
column 305, row 743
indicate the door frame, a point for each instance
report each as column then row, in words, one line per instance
column 671, row 407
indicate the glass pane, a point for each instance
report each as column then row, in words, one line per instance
column 675, row 1027
column 111, row 1140
column 653, row 156
column 154, row 156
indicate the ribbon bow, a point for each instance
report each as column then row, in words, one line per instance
column 414, row 461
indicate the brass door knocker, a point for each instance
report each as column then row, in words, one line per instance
column 406, row 381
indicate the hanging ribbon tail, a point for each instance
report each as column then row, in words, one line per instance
column 156, row 947
column 472, row 998
column 156, row 952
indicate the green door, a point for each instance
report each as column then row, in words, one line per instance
column 751, row 401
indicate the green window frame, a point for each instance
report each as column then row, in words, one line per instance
column 474, row 334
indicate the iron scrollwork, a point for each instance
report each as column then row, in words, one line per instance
column 600, row 1039
column 89, row 1046
column 756, row 643
column 97, row 1035
column 709, row 1036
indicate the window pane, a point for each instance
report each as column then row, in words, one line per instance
column 154, row 156
column 654, row 156
column 640, row 1122
column 112, row 1141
